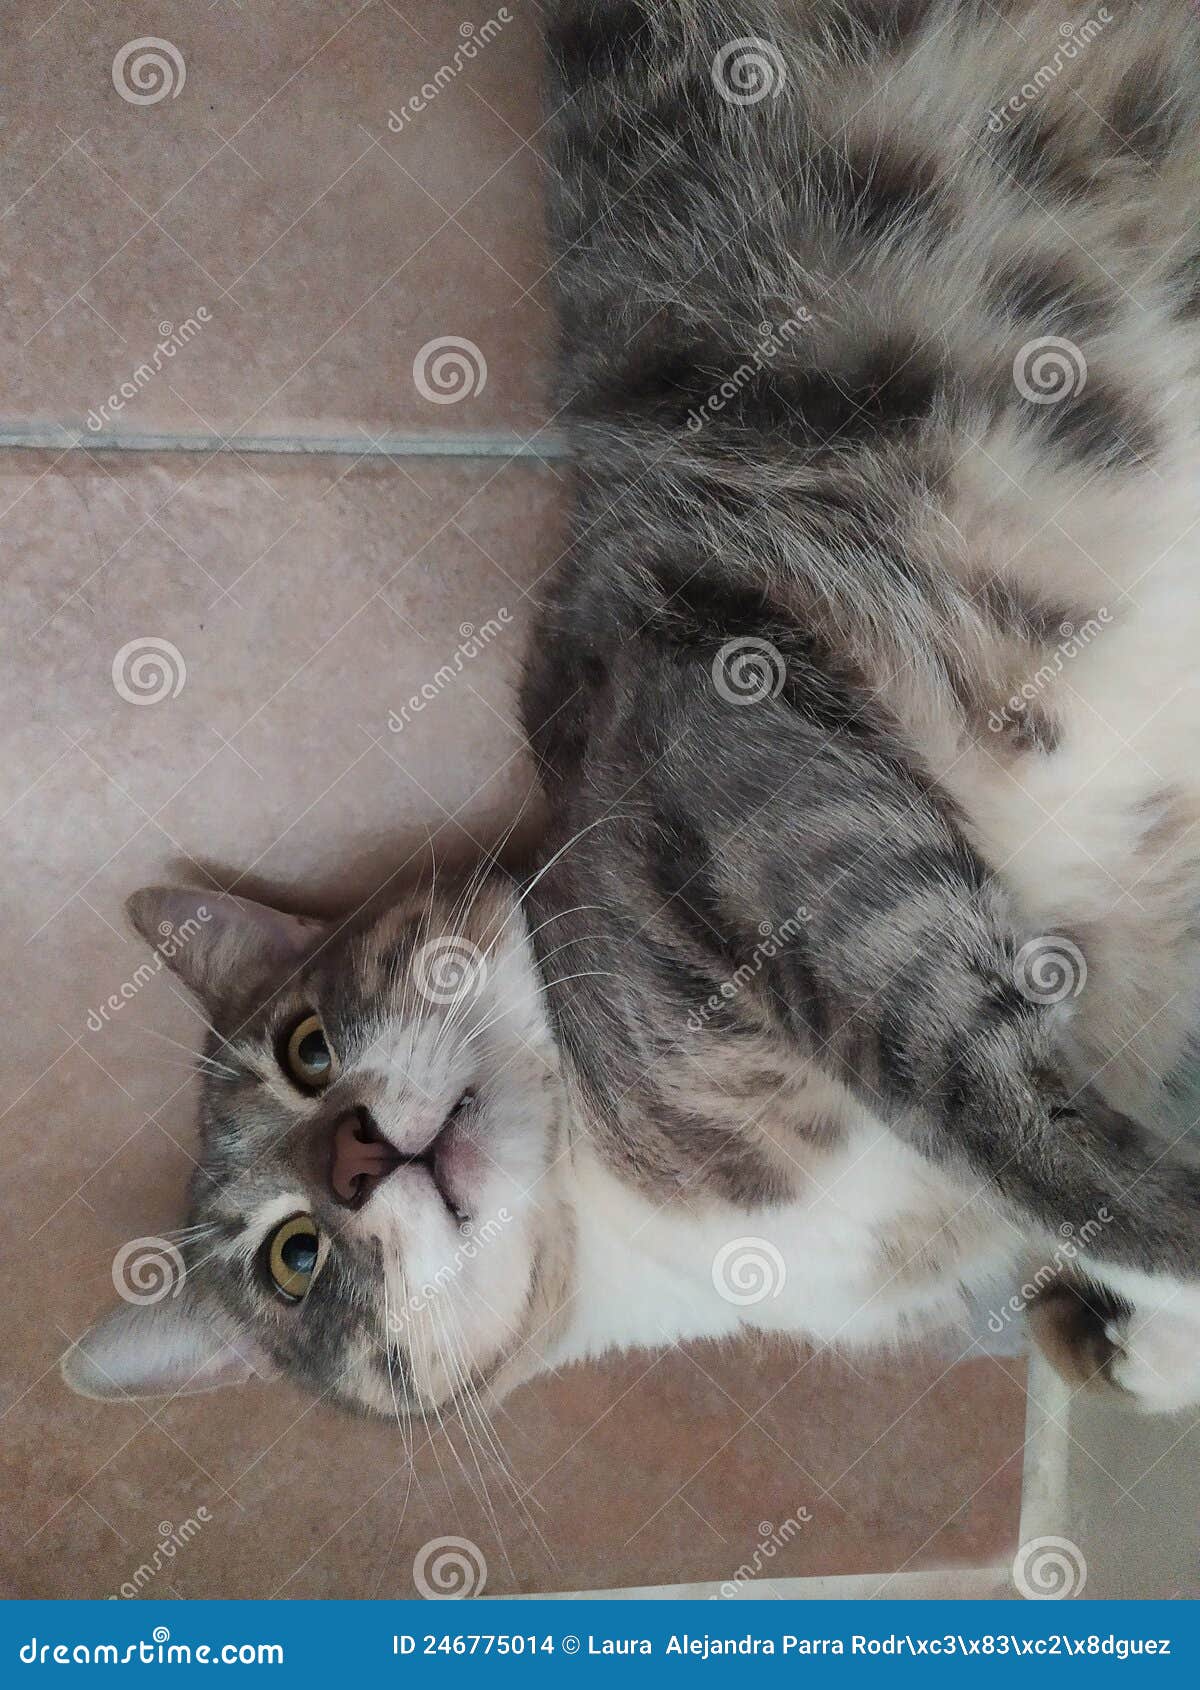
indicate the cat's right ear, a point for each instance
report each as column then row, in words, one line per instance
column 218, row 944
column 171, row 1348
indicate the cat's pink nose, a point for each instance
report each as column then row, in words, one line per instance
column 360, row 1158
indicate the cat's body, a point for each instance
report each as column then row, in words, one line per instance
column 788, row 1062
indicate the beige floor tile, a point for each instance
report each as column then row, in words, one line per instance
column 266, row 224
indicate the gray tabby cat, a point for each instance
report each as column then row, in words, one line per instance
column 866, row 697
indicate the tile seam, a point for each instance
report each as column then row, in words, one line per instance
column 495, row 445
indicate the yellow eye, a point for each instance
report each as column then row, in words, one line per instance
column 307, row 1055
column 292, row 1257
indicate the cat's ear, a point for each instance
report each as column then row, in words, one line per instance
column 172, row 1348
column 216, row 943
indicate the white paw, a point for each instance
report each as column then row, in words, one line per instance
column 1157, row 1359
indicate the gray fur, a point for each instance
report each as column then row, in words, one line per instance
column 803, row 513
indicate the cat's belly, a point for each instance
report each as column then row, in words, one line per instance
column 877, row 1247
column 1097, row 829
column 1099, row 838
column 880, row 1246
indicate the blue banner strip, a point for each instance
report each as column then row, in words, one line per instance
column 619, row 1641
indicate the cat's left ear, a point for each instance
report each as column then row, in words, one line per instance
column 218, row 944
column 171, row 1348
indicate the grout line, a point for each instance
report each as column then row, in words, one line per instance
column 497, row 445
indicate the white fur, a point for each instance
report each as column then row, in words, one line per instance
column 643, row 1273
column 1159, row 1359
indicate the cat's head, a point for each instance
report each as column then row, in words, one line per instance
column 378, row 1206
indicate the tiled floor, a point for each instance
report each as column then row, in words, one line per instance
column 297, row 601
column 268, row 191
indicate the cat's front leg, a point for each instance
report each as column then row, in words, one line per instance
column 1145, row 1353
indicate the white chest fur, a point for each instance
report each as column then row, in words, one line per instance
column 879, row 1251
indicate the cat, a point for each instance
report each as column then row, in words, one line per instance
column 859, row 965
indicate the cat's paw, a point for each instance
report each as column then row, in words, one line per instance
column 1156, row 1358
column 1147, row 1351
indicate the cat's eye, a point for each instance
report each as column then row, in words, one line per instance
column 307, row 1056
column 292, row 1257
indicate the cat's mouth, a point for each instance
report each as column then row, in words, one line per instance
column 361, row 1157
